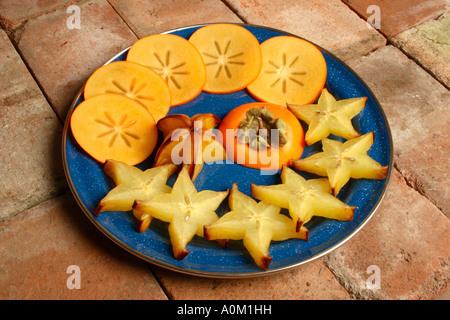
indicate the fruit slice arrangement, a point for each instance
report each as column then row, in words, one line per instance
column 165, row 70
column 126, row 104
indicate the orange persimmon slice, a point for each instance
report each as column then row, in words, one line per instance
column 232, row 56
column 293, row 71
column 176, row 60
column 133, row 80
column 113, row 126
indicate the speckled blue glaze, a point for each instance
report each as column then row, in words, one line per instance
column 207, row 258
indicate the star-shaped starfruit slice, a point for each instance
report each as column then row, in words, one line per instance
column 329, row 116
column 131, row 184
column 185, row 209
column 303, row 198
column 256, row 223
column 341, row 161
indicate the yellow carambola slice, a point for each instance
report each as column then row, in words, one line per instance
column 342, row 161
column 186, row 210
column 303, row 198
column 256, row 223
column 329, row 116
column 133, row 184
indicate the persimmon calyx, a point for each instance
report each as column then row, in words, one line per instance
column 260, row 130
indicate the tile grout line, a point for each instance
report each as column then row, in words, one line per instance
column 417, row 62
column 48, row 11
column 158, row 280
column 360, row 294
column 389, row 42
column 10, row 34
column 14, row 35
column 232, row 9
column 124, row 21
column 412, row 58
column 347, row 285
column 411, row 185
column 363, row 18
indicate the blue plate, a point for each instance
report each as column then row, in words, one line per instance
column 206, row 258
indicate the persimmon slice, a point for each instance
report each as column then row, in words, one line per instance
column 134, row 81
column 113, row 126
column 293, row 71
column 176, row 60
column 231, row 54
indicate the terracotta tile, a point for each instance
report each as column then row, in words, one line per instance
column 148, row 17
column 417, row 110
column 407, row 239
column 13, row 13
column 428, row 44
column 330, row 24
column 312, row 281
column 61, row 59
column 39, row 246
column 398, row 16
column 30, row 134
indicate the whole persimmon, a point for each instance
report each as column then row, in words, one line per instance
column 262, row 136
